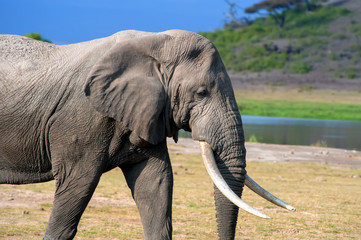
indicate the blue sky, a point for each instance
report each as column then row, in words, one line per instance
column 71, row 21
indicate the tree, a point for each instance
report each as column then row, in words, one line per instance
column 37, row 36
column 275, row 8
column 232, row 14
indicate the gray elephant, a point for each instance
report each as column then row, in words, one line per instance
column 73, row 112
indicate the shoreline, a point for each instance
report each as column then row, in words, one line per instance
column 264, row 152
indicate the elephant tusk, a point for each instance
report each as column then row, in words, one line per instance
column 218, row 180
column 265, row 194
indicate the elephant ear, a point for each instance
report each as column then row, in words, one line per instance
column 126, row 85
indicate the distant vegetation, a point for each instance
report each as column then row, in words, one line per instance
column 305, row 40
column 277, row 9
column 37, row 36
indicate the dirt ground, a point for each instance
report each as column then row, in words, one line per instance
column 317, row 80
column 28, row 198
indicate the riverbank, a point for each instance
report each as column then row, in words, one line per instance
column 261, row 152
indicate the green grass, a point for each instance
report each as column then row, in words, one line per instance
column 304, row 102
column 300, row 109
column 327, row 209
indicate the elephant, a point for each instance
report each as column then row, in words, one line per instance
column 70, row 113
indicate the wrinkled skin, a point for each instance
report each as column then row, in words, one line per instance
column 71, row 113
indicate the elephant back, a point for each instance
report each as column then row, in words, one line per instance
column 19, row 55
column 16, row 48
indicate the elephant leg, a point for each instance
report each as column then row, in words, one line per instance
column 151, row 183
column 75, row 186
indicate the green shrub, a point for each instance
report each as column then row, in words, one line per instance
column 356, row 49
column 356, row 29
column 351, row 73
column 253, row 138
column 348, row 72
column 300, row 68
column 339, row 36
column 37, row 36
column 259, row 62
column 321, row 16
column 255, row 51
column 338, row 74
column 334, row 56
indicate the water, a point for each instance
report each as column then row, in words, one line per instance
column 294, row 131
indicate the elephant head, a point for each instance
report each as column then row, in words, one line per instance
column 158, row 83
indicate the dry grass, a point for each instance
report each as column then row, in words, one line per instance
column 327, row 201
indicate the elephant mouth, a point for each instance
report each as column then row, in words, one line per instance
column 218, row 180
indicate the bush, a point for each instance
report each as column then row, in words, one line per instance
column 300, row 68
column 259, row 62
column 356, row 29
column 334, row 57
column 321, row 16
column 253, row 138
column 37, row 36
column 351, row 73
column 348, row 72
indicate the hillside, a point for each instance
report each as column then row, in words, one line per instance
column 318, row 49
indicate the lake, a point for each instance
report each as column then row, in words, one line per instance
column 294, row 131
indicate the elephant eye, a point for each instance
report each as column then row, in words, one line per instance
column 202, row 92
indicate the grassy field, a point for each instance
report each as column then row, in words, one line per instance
column 327, row 201
column 301, row 104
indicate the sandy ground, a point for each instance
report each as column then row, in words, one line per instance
column 26, row 198
column 255, row 152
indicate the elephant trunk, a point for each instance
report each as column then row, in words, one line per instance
column 226, row 154
column 227, row 195
column 227, row 170
column 231, row 162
